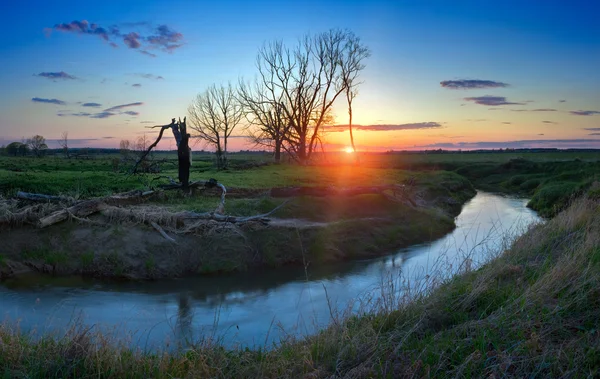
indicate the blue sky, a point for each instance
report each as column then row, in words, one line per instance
column 546, row 52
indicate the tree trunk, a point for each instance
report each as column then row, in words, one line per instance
column 183, row 155
column 277, row 151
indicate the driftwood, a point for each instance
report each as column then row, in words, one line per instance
column 40, row 197
column 88, row 207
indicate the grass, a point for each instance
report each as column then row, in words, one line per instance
column 533, row 311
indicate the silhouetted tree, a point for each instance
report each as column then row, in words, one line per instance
column 266, row 115
column 13, row 148
column 63, row 142
column 37, row 144
column 305, row 82
column 214, row 115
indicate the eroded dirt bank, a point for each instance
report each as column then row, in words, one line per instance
column 122, row 242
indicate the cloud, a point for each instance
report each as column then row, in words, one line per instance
column 91, row 105
column 138, row 85
column 387, row 127
column 550, row 143
column 132, row 113
column 535, row 110
column 148, row 53
column 472, row 84
column 477, row 119
column 132, row 40
column 562, row 101
column 149, row 76
column 541, row 134
column 104, row 114
column 56, row 75
column 108, row 137
column 119, row 107
column 166, row 38
column 160, row 37
column 491, row 100
column 78, row 114
column 592, row 129
column 147, row 122
column 82, row 27
column 48, row 101
column 594, row 134
column 549, row 122
column 584, row 113
column 507, row 123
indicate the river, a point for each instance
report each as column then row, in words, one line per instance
column 262, row 307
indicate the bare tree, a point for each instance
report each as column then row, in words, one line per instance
column 37, row 144
column 63, row 142
column 265, row 115
column 214, row 115
column 351, row 67
column 305, row 82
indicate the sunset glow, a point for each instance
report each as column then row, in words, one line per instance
column 104, row 73
column 349, row 150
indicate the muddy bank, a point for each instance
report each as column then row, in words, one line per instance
column 137, row 251
column 122, row 243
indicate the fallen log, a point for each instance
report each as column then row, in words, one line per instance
column 40, row 197
column 88, row 207
column 83, row 209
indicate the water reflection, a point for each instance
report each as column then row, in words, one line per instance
column 260, row 307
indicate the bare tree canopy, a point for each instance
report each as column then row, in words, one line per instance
column 214, row 115
column 268, row 124
column 63, row 142
column 303, row 83
column 37, row 144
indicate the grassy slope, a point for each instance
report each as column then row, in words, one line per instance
column 534, row 311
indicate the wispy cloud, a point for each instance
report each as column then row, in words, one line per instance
column 491, row 100
column 48, row 101
column 76, row 114
column 166, row 38
column 584, row 113
column 592, row 129
column 147, row 122
column 535, row 110
column 594, row 134
column 81, row 27
column 119, row 107
column 507, row 122
column 91, row 105
column 54, row 76
column 102, row 115
column 148, row 76
column 549, row 122
column 562, row 101
column 472, row 84
column 387, row 127
column 540, row 143
column 137, row 85
column 160, row 37
column 132, row 40
column 132, row 113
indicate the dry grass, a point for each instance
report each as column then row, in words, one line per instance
column 532, row 312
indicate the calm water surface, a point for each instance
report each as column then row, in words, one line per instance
column 260, row 308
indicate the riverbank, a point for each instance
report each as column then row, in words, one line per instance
column 307, row 231
column 533, row 310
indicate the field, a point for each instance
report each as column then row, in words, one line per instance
column 548, row 178
column 532, row 311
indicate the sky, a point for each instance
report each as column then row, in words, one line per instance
column 442, row 74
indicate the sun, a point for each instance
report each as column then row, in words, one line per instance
column 349, row 150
